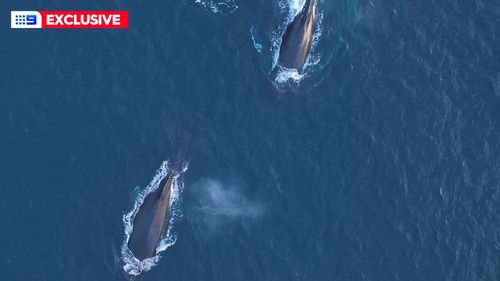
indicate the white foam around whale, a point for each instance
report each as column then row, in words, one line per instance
column 133, row 266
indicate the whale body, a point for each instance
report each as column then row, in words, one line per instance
column 150, row 221
column 297, row 39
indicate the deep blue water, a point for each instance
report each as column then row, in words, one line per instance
column 381, row 166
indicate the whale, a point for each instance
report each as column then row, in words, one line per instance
column 297, row 39
column 150, row 221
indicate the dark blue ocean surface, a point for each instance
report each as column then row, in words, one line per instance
column 382, row 165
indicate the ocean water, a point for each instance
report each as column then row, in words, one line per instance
column 381, row 165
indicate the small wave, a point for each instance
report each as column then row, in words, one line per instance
column 222, row 7
column 133, row 266
column 256, row 44
column 291, row 8
column 284, row 74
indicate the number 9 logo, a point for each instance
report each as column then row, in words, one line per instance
column 31, row 19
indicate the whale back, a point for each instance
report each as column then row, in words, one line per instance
column 150, row 221
column 297, row 39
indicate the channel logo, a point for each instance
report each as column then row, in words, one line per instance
column 25, row 19
column 68, row 19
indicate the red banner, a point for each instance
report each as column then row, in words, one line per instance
column 84, row 19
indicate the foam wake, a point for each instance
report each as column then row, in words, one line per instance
column 133, row 266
